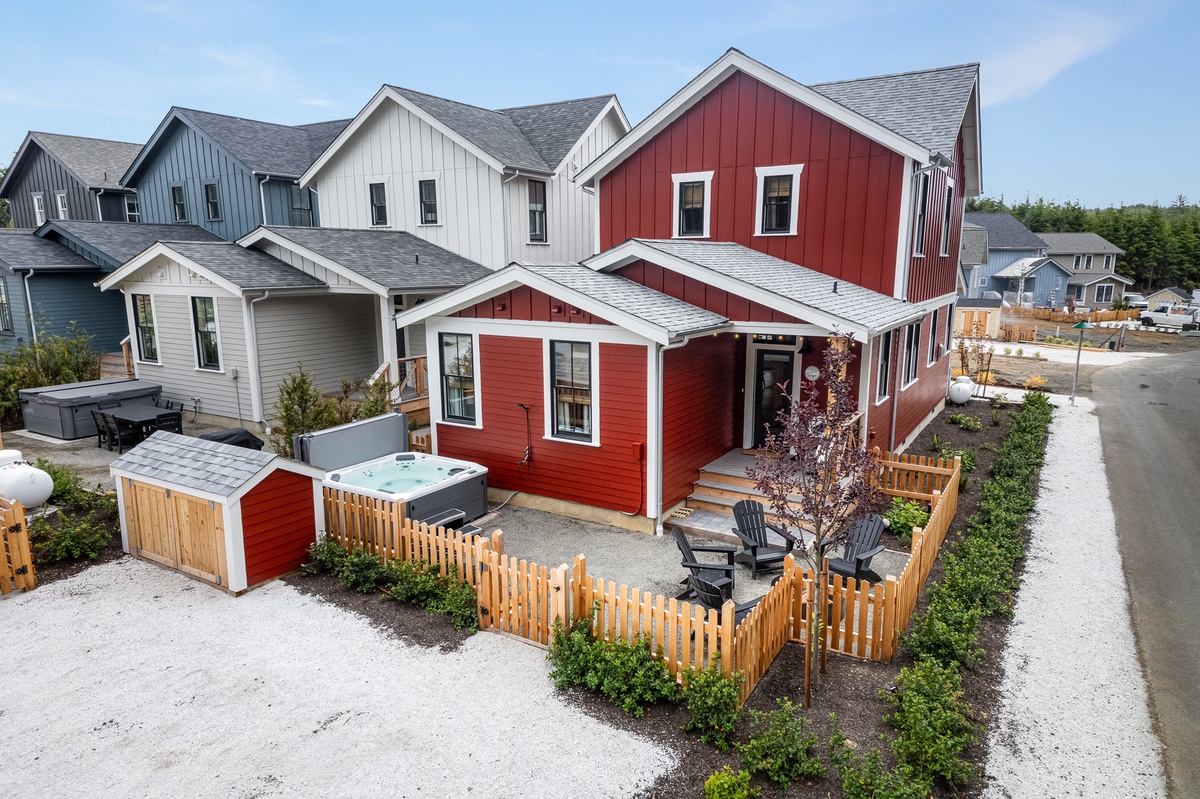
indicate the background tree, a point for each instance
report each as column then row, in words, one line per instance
column 5, row 211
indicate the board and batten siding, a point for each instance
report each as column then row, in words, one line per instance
column 277, row 197
column 189, row 158
column 334, row 336
column 335, row 280
column 65, row 297
column 933, row 274
column 44, row 174
column 398, row 149
column 570, row 211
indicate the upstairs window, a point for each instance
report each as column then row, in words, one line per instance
column 178, row 204
column 61, row 200
column 922, row 214
column 692, row 207
column 204, row 319
column 427, row 194
column 1108, row 262
column 39, row 210
column 933, row 331
column 885, row 366
column 458, row 377
column 1087, row 262
column 537, row 211
column 778, row 200
column 912, row 343
column 302, row 215
column 1077, row 262
column 378, row 195
column 143, row 320
column 212, row 204
column 133, row 212
column 5, row 312
column 572, row 387
column 947, row 213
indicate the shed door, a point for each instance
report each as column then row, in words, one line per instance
column 151, row 535
column 201, row 537
column 177, row 530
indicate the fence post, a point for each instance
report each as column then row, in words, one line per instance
column 891, row 592
column 579, row 607
column 558, row 602
column 498, row 542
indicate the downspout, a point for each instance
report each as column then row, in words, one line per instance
column 255, row 374
column 262, row 198
column 658, row 411
column 99, row 213
column 504, row 207
column 29, row 305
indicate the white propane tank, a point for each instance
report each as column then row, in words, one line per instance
column 26, row 484
column 961, row 390
column 10, row 456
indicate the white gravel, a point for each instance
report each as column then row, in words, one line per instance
column 129, row 680
column 1074, row 717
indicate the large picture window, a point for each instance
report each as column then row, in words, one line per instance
column 537, row 210
column 912, row 342
column 143, row 320
column 378, row 194
column 571, row 381
column 204, row 321
column 458, row 377
column 1104, row 292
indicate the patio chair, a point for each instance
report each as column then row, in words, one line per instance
column 171, row 421
column 101, row 429
column 125, row 435
column 719, row 574
column 862, row 544
column 752, row 526
column 710, row 597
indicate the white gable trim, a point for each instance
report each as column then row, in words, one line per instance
column 735, row 61
column 1111, row 276
column 611, row 106
column 146, row 256
column 388, row 93
column 262, row 234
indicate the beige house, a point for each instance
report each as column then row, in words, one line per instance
column 1091, row 261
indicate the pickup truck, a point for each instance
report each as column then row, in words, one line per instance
column 1168, row 316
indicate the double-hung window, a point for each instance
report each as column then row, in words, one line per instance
column 912, row 343
column 537, row 211
column 693, row 204
column 179, row 204
column 458, row 377
column 778, row 199
column 143, row 320
column 133, row 212
column 1087, row 262
column 1108, row 262
column 946, row 214
column 933, row 331
column 39, row 210
column 212, row 203
column 5, row 312
column 61, row 199
column 922, row 214
column 882, row 379
column 427, row 194
column 1104, row 293
column 204, row 322
column 302, row 215
column 378, row 193
column 571, row 382
column 1077, row 262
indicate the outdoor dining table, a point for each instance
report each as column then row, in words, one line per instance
column 140, row 415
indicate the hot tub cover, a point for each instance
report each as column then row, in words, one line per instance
column 72, row 394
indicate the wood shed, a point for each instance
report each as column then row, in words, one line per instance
column 233, row 517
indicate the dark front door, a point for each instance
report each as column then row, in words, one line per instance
column 772, row 381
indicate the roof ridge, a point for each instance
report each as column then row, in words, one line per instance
column 255, row 121
column 555, row 102
column 85, row 138
column 932, row 70
column 445, row 99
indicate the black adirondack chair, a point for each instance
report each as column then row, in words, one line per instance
column 171, row 421
column 862, row 544
column 101, row 429
column 710, row 596
column 752, row 526
column 124, row 434
column 719, row 574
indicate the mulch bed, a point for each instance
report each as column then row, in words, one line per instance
column 53, row 572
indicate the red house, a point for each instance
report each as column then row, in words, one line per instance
column 740, row 223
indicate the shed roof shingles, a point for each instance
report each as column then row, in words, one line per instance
column 194, row 463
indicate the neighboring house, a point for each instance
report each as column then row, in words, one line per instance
column 227, row 174
column 1092, row 263
column 972, row 255
column 1037, row 281
column 742, row 223
column 492, row 186
column 1174, row 296
column 222, row 324
column 1008, row 241
column 69, row 177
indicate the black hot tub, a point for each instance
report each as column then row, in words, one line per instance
column 66, row 411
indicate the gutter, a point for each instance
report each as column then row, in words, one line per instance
column 262, row 197
column 658, row 433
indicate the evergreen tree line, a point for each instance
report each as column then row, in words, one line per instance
column 1162, row 245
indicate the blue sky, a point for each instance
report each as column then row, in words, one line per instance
column 1094, row 101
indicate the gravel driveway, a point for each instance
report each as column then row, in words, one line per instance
column 131, row 680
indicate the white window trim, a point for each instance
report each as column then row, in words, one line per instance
column 437, row 412
column 1108, row 262
column 220, row 215
column 39, row 208
column 982, row 281
column 691, row 177
column 387, row 203
column 760, row 175
column 418, row 179
column 1087, row 262
column 1111, row 292
column 947, row 218
column 921, row 216
column 171, row 201
column 195, row 342
column 137, row 203
column 1076, row 261
column 933, row 334
column 60, row 203
column 137, row 347
column 545, row 213
column 916, row 345
column 547, row 383
column 884, row 380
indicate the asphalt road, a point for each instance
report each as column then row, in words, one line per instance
column 1150, row 428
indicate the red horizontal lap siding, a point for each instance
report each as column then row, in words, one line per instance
column 933, row 275
column 702, row 409
column 701, row 294
column 529, row 305
column 611, row 475
column 278, row 524
column 849, row 191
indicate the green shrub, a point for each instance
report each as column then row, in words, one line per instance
column 778, row 748
column 326, row 555
column 999, row 399
column 412, row 581
column 730, row 784
column 903, row 516
column 68, row 486
column 971, row 424
column 51, row 361
column 712, row 701
column 868, row 778
column 300, row 408
column 937, row 443
column 418, row 583
column 361, row 571
column 571, row 652
column 457, row 599
column 995, row 417
column 931, row 721
column 70, row 538
column 945, row 632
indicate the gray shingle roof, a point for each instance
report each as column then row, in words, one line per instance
column 925, row 106
column 1081, row 243
column 266, row 147
column 20, row 249
column 966, row 302
column 974, row 245
column 120, row 241
column 1005, row 232
column 529, row 137
column 246, row 269
column 661, row 310
column 193, row 463
column 394, row 259
column 99, row 163
column 1023, row 267
column 855, row 304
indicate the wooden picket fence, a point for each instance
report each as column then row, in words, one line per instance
column 1047, row 315
column 16, row 565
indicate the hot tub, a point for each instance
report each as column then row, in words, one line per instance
column 427, row 485
column 66, row 411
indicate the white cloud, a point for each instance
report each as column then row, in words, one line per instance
column 248, row 68
column 321, row 102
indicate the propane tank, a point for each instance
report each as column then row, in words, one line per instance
column 25, row 483
column 10, row 456
column 961, row 390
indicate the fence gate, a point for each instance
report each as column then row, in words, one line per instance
column 16, row 559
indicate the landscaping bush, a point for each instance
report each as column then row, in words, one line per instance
column 868, row 778
column 778, row 748
column 68, row 486
column 1035, row 383
column 53, row 360
column 300, row 408
column 945, row 632
column 326, row 555
column 457, row 599
column 903, row 516
column 412, row 581
column 931, row 719
column 69, row 538
column 730, row 784
column 712, row 701
column 969, row 423
column 361, row 571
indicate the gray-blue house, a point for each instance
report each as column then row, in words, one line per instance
column 1008, row 241
column 1040, row 282
column 227, row 174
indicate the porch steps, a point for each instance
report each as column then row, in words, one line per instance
column 112, row 364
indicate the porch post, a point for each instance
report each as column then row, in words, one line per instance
column 387, row 328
